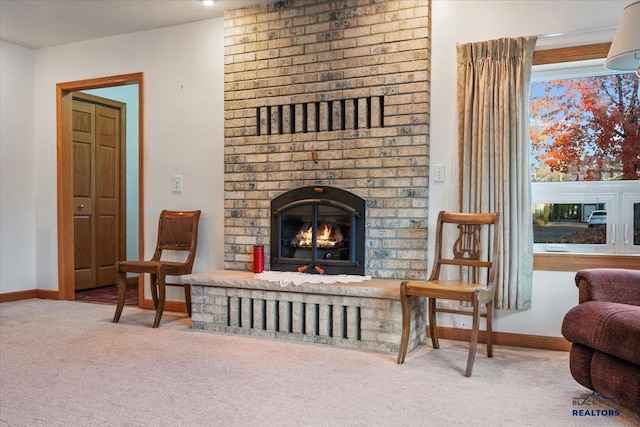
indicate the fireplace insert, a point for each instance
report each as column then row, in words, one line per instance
column 318, row 230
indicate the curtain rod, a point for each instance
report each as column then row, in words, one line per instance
column 574, row 32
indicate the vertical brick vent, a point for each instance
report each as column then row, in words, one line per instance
column 313, row 319
column 319, row 116
column 329, row 93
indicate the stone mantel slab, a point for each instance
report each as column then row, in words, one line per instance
column 374, row 288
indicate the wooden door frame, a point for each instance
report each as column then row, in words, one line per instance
column 66, row 281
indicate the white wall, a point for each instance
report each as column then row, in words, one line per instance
column 183, row 71
column 458, row 22
column 183, row 123
column 17, row 185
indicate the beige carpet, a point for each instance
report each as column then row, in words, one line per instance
column 64, row 363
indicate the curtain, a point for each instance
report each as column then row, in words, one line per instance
column 493, row 150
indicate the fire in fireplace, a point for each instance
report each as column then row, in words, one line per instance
column 328, row 236
column 318, row 230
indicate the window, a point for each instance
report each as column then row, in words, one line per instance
column 585, row 156
column 586, row 216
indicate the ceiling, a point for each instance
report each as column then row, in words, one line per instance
column 42, row 23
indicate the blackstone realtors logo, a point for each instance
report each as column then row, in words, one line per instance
column 593, row 399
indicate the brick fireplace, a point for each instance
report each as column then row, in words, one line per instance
column 329, row 93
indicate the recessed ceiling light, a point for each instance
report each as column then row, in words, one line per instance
column 208, row 2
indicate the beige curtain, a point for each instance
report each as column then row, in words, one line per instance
column 493, row 138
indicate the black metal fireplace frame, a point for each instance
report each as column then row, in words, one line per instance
column 316, row 196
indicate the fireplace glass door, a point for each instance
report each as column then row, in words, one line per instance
column 319, row 234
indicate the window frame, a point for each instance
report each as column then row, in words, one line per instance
column 619, row 197
column 567, row 261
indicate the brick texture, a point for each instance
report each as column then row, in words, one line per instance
column 355, row 322
column 349, row 81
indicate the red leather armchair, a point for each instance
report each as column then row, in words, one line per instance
column 604, row 329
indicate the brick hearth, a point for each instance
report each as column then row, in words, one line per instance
column 362, row 316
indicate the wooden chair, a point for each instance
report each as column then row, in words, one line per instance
column 177, row 231
column 468, row 259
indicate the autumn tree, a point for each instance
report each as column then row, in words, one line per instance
column 590, row 122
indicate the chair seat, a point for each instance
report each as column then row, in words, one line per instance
column 454, row 289
column 449, row 285
column 170, row 268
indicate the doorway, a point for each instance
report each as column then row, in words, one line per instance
column 66, row 206
column 99, row 188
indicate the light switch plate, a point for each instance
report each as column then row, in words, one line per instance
column 176, row 185
column 438, row 173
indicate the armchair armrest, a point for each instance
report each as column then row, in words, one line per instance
column 609, row 284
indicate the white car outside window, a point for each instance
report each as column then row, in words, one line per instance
column 598, row 217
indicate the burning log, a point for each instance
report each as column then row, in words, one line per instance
column 328, row 236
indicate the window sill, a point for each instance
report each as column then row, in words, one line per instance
column 575, row 262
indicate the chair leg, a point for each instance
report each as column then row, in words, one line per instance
column 154, row 290
column 474, row 336
column 490, row 329
column 433, row 326
column 406, row 324
column 161, row 298
column 187, row 297
column 121, row 280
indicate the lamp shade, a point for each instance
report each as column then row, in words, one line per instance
column 624, row 54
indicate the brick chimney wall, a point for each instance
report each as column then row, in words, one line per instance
column 331, row 93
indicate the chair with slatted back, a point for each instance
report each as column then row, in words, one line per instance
column 177, row 231
column 476, row 286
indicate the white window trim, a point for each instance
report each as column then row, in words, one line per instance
column 619, row 197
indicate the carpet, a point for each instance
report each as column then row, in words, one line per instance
column 108, row 295
column 65, row 363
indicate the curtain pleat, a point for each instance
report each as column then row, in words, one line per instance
column 493, row 150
